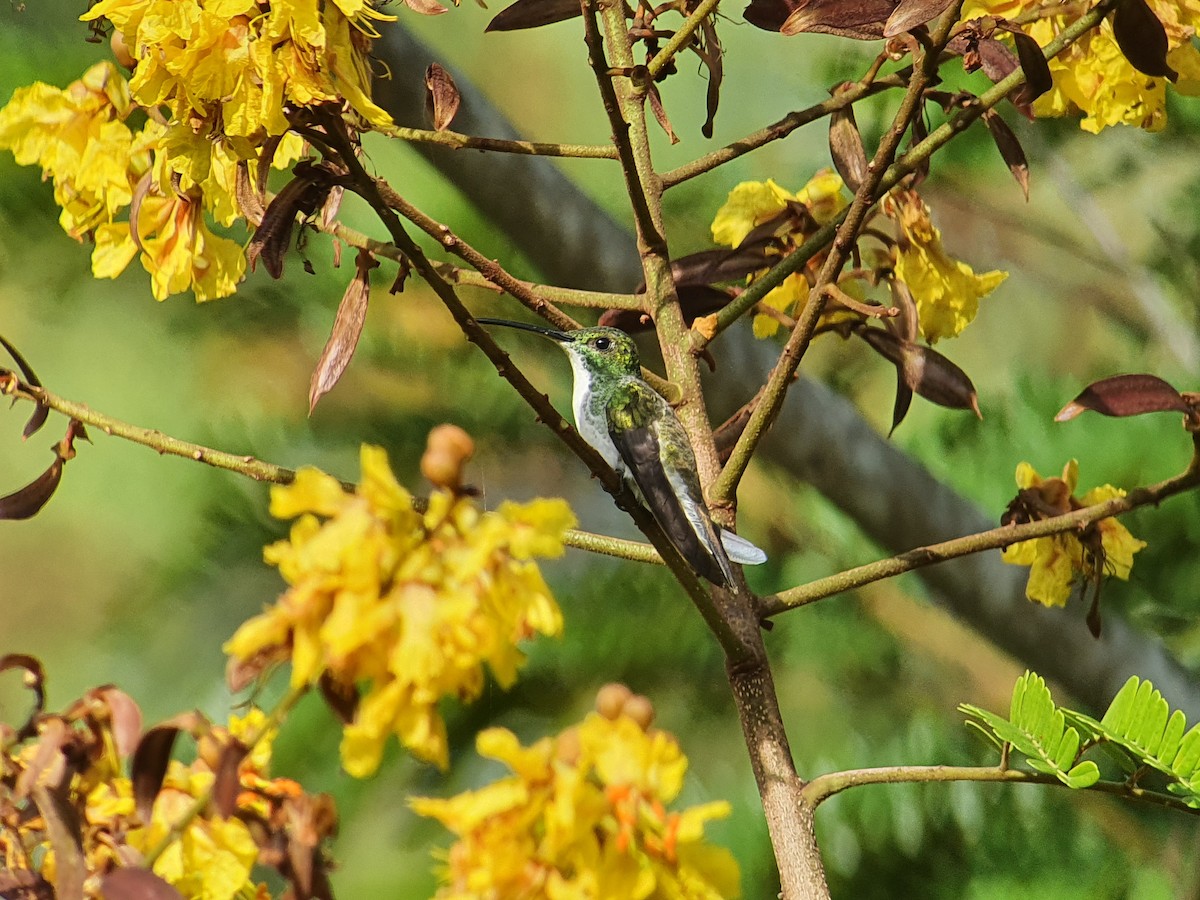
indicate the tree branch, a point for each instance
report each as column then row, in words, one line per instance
column 1003, row 536
column 457, row 141
column 823, row 787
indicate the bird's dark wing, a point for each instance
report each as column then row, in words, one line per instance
column 661, row 463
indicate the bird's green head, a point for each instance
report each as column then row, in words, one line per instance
column 601, row 350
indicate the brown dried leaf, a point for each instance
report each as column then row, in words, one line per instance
column 846, row 148
column 227, row 783
column 47, row 766
column 861, row 20
column 1126, row 395
column 303, row 194
column 41, row 411
column 426, row 7
column 920, row 131
column 660, row 114
column 924, row 371
column 1142, row 39
column 62, row 826
column 711, row 54
column 21, row 884
column 1010, row 148
column 152, row 756
column 1038, row 79
column 442, row 98
column 712, row 266
column 124, row 716
column 136, row 884
column 310, row 820
column 248, row 199
column 28, row 501
column 347, row 328
column 534, row 14
column 35, row 680
column 911, row 13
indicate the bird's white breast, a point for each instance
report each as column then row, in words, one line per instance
column 591, row 424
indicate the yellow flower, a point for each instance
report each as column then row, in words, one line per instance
column 583, row 815
column 748, row 205
column 755, row 203
column 79, row 138
column 408, row 606
column 1094, row 80
column 1057, row 561
column 177, row 249
column 947, row 291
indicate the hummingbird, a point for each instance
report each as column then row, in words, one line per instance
column 637, row 432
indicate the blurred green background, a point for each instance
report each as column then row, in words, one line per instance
column 141, row 566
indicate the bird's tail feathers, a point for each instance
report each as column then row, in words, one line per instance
column 741, row 550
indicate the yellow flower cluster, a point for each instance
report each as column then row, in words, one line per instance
column 753, row 204
column 216, row 79
column 207, row 855
column 226, row 69
column 1093, row 79
column 408, row 605
column 583, row 817
column 946, row 290
column 80, row 138
column 213, row 858
column 1056, row 562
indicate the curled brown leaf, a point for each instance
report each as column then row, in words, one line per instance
column 442, row 97
column 347, row 329
column 1126, row 395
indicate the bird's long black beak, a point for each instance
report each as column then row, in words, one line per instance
column 561, row 336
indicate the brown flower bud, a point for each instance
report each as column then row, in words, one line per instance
column 611, row 698
column 446, row 453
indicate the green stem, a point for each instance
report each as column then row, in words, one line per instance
column 681, row 37
column 825, row 786
column 259, row 470
column 779, row 130
column 528, row 148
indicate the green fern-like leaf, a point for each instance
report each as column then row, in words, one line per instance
column 1139, row 724
column 1037, row 729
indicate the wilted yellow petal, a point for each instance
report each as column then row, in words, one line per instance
column 946, row 291
column 748, row 205
column 312, row 491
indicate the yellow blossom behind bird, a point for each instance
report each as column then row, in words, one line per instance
column 408, row 605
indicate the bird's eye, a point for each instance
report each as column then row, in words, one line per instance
column 602, row 343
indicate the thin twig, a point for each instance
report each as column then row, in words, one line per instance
column 779, row 130
column 823, row 787
column 458, row 141
column 681, row 37
column 260, row 470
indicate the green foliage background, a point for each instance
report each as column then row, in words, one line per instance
column 140, row 567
